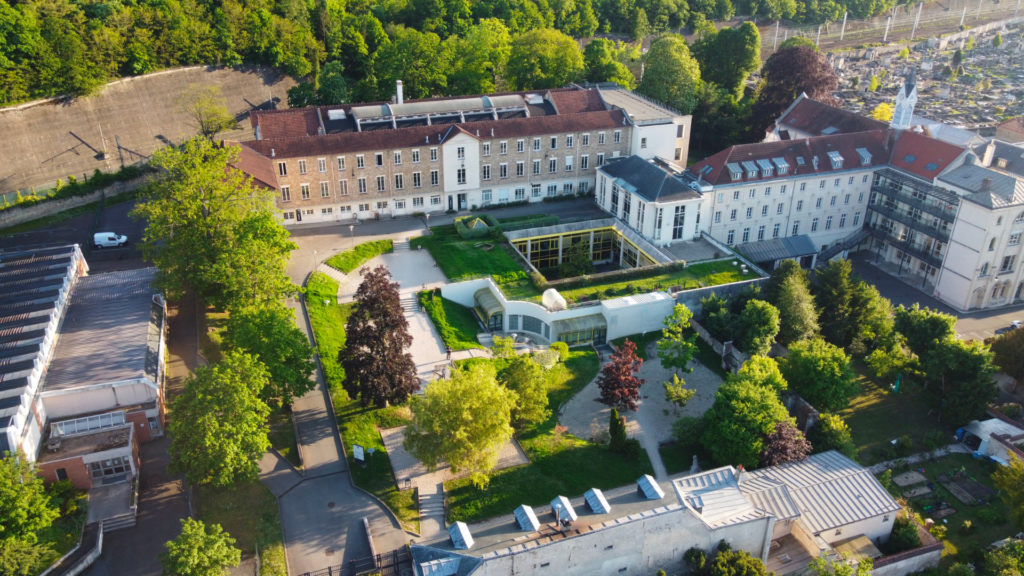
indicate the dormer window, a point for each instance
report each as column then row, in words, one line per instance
column 1001, row 162
column 865, row 156
column 735, row 172
column 750, row 168
column 909, row 158
column 836, row 158
column 766, row 167
column 800, row 162
column 781, row 166
column 814, row 161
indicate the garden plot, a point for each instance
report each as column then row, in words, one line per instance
column 909, row 479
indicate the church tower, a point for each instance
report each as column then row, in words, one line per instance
column 905, row 102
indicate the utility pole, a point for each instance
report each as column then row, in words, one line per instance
column 888, row 21
column 979, row 9
column 963, row 16
column 843, row 31
column 1017, row 10
column 776, row 41
column 818, row 39
column 916, row 20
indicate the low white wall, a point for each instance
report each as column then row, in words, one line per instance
column 63, row 404
column 18, row 215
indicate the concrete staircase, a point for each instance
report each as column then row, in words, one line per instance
column 410, row 303
column 400, row 245
column 845, row 244
column 431, row 507
column 337, row 275
column 119, row 522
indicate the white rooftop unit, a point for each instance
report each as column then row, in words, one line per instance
column 595, row 499
column 526, row 518
column 442, row 567
column 562, row 510
column 336, row 114
column 461, row 538
column 553, row 301
column 649, row 488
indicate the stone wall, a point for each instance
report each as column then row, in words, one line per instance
column 925, row 556
column 18, row 215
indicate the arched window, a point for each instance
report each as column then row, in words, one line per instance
column 984, row 269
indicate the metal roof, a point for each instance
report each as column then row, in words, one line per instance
column 1003, row 189
column 640, row 109
column 648, row 181
column 775, row 498
column 596, row 500
column 828, row 489
column 580, row 324
column 562, row 509
column 488, row 302
column 715, row 497
column 649, row 486
column 985, row 429
column 778, row 248
column 526, row 518
column 461, row 538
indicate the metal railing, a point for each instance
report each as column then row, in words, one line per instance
column 945, row 211
column 911, row 248
column 917, row 224
column 395, row 563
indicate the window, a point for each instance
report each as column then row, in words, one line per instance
column 832, row 202
column 553, row 191
column 828, row 223
column 803, row 186
column 885, row 518
column 799, row 205
column 416, row 183
column 600, row 138
column 600, row 159
column 362, row 185
column 520, row 145
column 752, row 192
column 730, row 237
column 851, row 180
column 360, row 163
column 520, row 194
column 325, row 190
column 343, row 187
column 643, row 143
column 775, row 230
column 536, row 166
column 584, row 187
column 678, row 222
column 433, row 154
column 381, row 184
column 568, row 141
column 567, row 188
column 302, row 166
column 860, row 197
column 817, row 203
column 378, row 159
column 382, row 205
column 814, row 225
column 487, row 148
column 503, row 170
column 732, row 214
column 750, row 213
column 783, row 189
column 719, row 196
column 584, row 162
column 321, row 164
column 865, row 179
column 718, row 216
column 1007, row 265
column 282, row 169
column 326, row 210
column 842, row 221
column 778, row 210
column 553, row 165
column 304, row 188
column 796, row 228
column 991, row 244
column 554, row 142
column 417, row 202
column 736, row 195
column 399, row 204
column 1014, row 238
column 856, row 219
column 536, row 144
column 821, row 184
column 836, row 183
column 760, row 233
column 504, row 147
column 764, row 210
column 768, row 191
column 344, row 208
column 460, row 175
column 568, row 163
column 435, row 200
column 520, row 168
column 746, row 235
column 286, row 194
column 847, row 199
column 415, row 156
column 485, row 196
column 931, row 166
column 364, row 207
column 434, row 178
column 984, row 269
column 398, row 158
column 460, row 153
column 399, row 182
column 585, row 140
column 618, row 136
column 341, row 162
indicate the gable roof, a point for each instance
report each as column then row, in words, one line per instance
column 1003, row 190
column 778, row 248
column 256, row 165
column 922, row 156
column 1012, row 156
column 816, row 118
column 714, row 496
column 650, row 182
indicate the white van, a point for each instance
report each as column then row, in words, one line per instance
column 108, row 240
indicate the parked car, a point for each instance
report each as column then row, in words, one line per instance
column 108, row 240
column 1015, row 324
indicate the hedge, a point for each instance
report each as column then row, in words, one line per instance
column 467, row 234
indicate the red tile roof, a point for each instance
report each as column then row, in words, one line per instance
column 913, row 153
column 576, row 101
column 845, row 144
column 434, row 135
column 290, row 123
column 813, row 117
column 256, row 165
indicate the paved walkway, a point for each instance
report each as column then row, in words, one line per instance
column 957, row 448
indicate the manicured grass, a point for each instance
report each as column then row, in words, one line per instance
column 63, row 534
column 462, row 260
column 213, row 323
column 328, row 321
column 353, row 258
column 362, row 426
column 454, row 322
column 282, row 433
column 526, row 218
column 248, row 512
column 982, row 533
column 707, row 274
column 876, row 416
column 560, row 464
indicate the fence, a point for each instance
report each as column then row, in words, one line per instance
column 903, row 23
column 395, row 563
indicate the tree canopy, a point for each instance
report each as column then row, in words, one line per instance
column 783, row 445
column 798, row 318
column 526, row 378
column 24, row 505
column 830, row 432
column 1008, row 349
column 671, row 75
column 270, row 334
column 618, row 383
column 736, row 425
column 820, row 373
column 756, row 327
column 543, row 58
column 200, row 550
column 787, row 74
column 728, row 56
column 678, row 343
column 602, row 65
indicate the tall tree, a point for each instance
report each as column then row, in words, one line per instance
column 270, row 334
column 526, row 378
column 677, row 347
column 737, row 423
column 206, row 110
column 835, row 302
column 481, row 58
column 728, row 56
column 872, row 317
column 798, row 319
column 25, row 508
column 601, row 65
column 757, row 327
column 219, row 429
column 1008, row 348
column 378, row 367
column 1009, row 480
column 417, row 58
column 820, row 373
column 209, row 229
column 830, row 432
column 576, row 261
column 639, row 28
column 671, row 76
column 737, row 563
column 619, row 386
column 783, row 445
column 963, row 371
column 924, row 329
column 200, row 550
column 764, row 372
column 787, row 74
column 542, row 59
column 21, row 558
column 785, row 270
column 463, row 421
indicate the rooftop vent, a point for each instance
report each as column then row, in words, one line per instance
column 336, row 114
column 562, row 510
column 461, row 538
column 648, row 488
column 986, row 184
column 526, row 518
column 535, row 99
column 596, row 502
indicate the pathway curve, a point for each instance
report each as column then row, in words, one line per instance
column 957, row 448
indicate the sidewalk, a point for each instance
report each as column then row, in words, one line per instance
column 957, row 448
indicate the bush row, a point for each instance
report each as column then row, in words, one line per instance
column 73, row 187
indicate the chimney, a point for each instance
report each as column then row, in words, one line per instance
column 990, row 151
column 271, row 152
column 398, row 87
column 259, row 135
column 986, row 184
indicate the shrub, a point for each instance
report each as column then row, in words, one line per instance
column 617, row 431
column 562, row 348
column 631, row 449
column 935, row 439
column 64, row 495
column 687, row 430
column 886, row 480
column 904, row 446
column 959, row 569
column 967, row 527
column 939, row 531
column 904, row 535
column 1011, row 409
column 696, row 558
column 475, row 233
column 991, row 516
column 546, row 359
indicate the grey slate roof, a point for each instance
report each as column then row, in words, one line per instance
column 107, row 334
column 778, row 248
column 1011, row 154
column 652, row 183
column 1004, row 191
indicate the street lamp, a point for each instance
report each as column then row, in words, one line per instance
column 315, row 263
column 428, row 222
column 351, row 236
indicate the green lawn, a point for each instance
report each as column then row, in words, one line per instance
column 282, row 433
column 698, row 275
column 210, row 338
column 63, row 534
column 454, row 322
column 328, row 321
column 641, row 341
column 561, row 464
column 959, row 546
column 353, row 258
column 248, row 512
column 361, row 426
column 876, row 416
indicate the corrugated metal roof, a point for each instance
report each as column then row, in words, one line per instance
column 562, row 509
column 778, row 248
column 488, row 302
column 649, row 486
column 775, row 499
column 987, row 428
column 716, row 498
column 1004, row 189
column 597, row 502
column 461, row 538
column 828, row 489
column 526, row 518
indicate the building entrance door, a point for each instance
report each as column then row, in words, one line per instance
column 462, row 201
